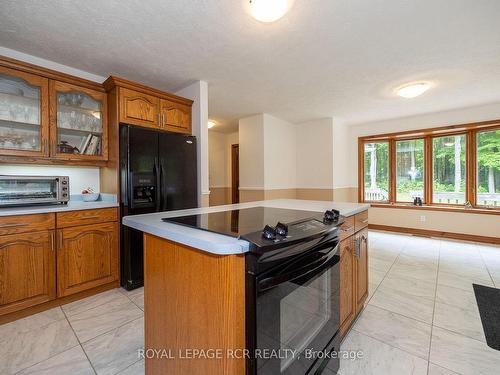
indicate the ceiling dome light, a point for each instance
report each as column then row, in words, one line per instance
column 268, row 10
column 211, row 124
column 413, row 90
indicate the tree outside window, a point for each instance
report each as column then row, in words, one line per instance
column 409, row 170
column 488, row 168
column 448, row 185
column 376, row 166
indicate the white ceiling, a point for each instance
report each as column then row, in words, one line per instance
column 339, row 58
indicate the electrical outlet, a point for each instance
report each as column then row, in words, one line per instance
column 422, row 218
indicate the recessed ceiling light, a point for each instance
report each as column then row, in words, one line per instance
column 211, row 124
column 268, row 10
column 413, row 90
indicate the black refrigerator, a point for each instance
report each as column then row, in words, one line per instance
column 157, row 173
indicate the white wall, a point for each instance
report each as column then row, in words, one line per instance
column 217, row 160
column 79, row 177
column 198, row 92
column 314, row 154
column 251, row 138
column 280, row 171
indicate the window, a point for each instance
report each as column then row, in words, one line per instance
column 454, row 166
column 410, row 170
column 488, row 168
column 448, row 161
column 376, row 166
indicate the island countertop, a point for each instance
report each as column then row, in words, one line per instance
column 218, row 243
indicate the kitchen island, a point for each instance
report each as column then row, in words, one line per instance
column 196, row 287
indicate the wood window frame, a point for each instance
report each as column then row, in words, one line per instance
column 470, row 131
column 361, row 169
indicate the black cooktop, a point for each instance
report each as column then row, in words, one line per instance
column 240, row 222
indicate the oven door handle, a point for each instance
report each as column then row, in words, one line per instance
column 311, row 269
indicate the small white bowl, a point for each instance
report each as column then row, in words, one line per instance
column 90, row 197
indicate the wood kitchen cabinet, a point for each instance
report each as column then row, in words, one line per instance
column 54, row 258
column 175, row 117
column 353, row 269
column 48, row 117
column 27, row 270
column 137, row 108
column 347, row 284
column 361, row 269
column 24, row 120
column 87, row 257
column 147, row 107
column 78, row 122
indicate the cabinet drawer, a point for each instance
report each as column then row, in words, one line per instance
column 347, row 229
column 26, row 223
column 361, row 220
column 84, row 217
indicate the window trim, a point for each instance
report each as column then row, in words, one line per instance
column 470, row 131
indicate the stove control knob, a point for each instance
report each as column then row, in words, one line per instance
column 269, row 233
column 329, row 216
column 281, row 229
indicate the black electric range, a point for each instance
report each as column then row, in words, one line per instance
column 292, row 285
column 264, row 227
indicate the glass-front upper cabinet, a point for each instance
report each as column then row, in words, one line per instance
column 24, row 122
column 78, row 122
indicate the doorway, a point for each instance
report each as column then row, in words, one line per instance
column 235, row 173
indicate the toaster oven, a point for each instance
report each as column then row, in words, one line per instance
column 31, row 190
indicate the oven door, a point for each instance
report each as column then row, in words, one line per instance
column 297, row 312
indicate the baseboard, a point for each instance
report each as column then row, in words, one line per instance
column 436, row 233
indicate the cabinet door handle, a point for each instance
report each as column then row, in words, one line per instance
column 14, row 225
column 52, row 241
column 159, row 120
column 357, row 252
column 61, row 240
column 163, row 119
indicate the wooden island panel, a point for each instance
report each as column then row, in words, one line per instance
column 193, row 300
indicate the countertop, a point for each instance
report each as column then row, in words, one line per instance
column 75, row 204
column 218, row 243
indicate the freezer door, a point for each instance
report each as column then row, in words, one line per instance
column 139, row 168
column 178, row 176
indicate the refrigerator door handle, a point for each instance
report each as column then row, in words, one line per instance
column 163, row 194
column 158, row 185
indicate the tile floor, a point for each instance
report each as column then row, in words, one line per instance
column 421, row 318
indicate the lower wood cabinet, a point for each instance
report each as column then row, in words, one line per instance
column 27, row 270
column 45, row 257
column 347, row 284
column 353, row 274
column 361, row 269
column 87, row 257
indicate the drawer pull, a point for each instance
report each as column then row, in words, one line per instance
column 347, row 229
column 365, row 221
column 90, row 217
column 15, row 225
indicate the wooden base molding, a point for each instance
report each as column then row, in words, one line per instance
column 436, row 233
column 57, row 302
